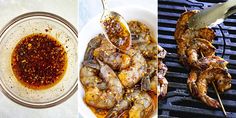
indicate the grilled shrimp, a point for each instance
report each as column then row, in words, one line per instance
column 102, row 91
column 218, row 75
column 138, row 104
column 211, row 61
column 183, row 35
column 203, row 64
column 130, row 76
column 107, row 53
column 199, row 45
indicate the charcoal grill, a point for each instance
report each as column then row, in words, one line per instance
column 179, row 102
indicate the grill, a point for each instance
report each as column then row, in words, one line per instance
column 179, row 102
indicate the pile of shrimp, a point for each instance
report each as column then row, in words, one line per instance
column 122, row 82
column 197, row 53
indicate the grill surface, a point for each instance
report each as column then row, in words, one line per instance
column 178, row 102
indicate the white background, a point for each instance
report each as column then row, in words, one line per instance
column 8, row 10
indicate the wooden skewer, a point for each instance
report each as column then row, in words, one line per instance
column 218, row 96
column 222, row 106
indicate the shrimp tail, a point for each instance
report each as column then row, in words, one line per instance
column 210, row 101
column 192, row 83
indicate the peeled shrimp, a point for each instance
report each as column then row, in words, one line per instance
column 184, row 35
column 101, row 92
column 107, row 53
column 199, row 45
column 203, row 64
column 138, row 104
column 218, row 75
column 130, row 76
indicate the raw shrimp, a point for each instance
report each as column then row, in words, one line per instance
column 161, row 52
column 138, row 104
column 109, row 55
column 101, row 92
column 149, row 50
column 155, row 81
column 218, row 75
column 130, row 76
column 140, row 33
column 92, row 45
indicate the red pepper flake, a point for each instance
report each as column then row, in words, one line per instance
column 39, row 61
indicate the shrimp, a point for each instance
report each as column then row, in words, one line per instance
column 199, row 45
column 183, row 35
column 92, row 45
column 156, row 81
column 148, row 50
column 162, row 81
column 140, row 33
column 101, row 92
column 161, row 52
column 203, row 64
column 218, row 75
column 107, row 53
column 138, row 104
column 130, row 76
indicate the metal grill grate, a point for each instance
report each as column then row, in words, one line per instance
column 179, row 103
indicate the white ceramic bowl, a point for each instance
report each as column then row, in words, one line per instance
column 93, row 27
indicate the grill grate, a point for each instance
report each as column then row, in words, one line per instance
column 178, row 102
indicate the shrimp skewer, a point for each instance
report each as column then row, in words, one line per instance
column 218, row 75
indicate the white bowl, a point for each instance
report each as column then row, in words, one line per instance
column 93, row 27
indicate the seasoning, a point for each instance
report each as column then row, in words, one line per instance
column 39, row 61
column 117, row 33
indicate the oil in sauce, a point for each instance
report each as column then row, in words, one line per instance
column 117, row 33
column 39, row 61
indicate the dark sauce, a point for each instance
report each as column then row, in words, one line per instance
column 39, row 61
column 117, row 33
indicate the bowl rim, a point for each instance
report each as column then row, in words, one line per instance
column 93, row 19
column 62, row 98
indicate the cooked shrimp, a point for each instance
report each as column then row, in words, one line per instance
column 138, row 103
column 109, row 55
column 97, row 95
column 130, row 76
column 203, row 64
column 211, row 61
column 198, row 46
column 184, row 35
column 192, row 79
column 218, row 75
